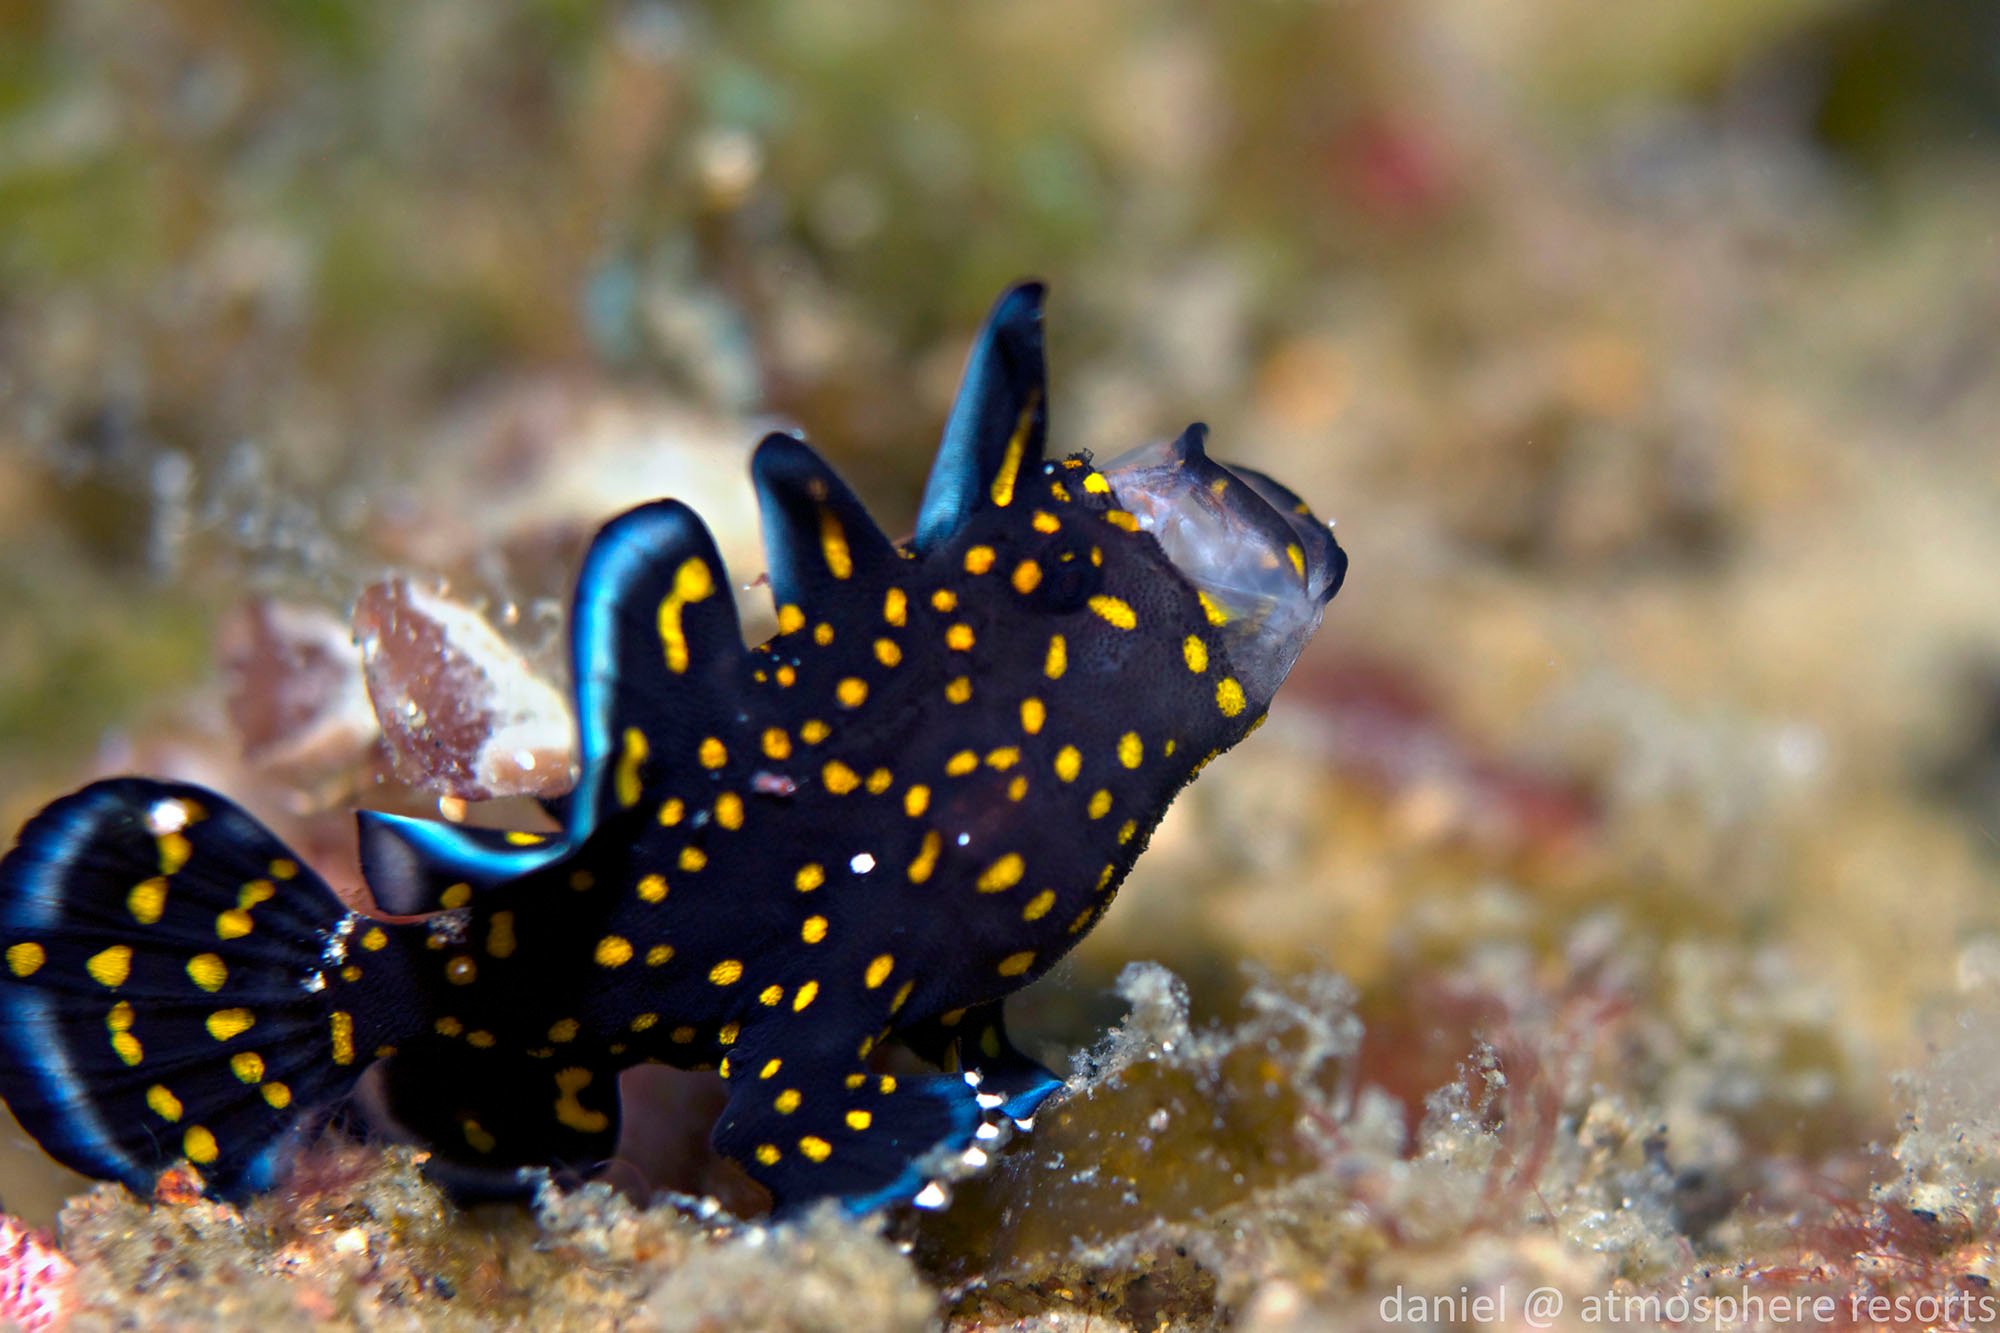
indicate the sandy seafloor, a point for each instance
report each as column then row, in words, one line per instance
column 1610, row 912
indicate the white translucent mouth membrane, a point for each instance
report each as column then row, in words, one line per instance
column 1251, row 547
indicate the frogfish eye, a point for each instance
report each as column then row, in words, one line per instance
column 1261, row 560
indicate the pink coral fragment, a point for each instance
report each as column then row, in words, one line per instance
column 462, row 712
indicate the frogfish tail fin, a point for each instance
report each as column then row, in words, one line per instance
column 177, row 985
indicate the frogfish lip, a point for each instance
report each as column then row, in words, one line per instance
column 1265, row 566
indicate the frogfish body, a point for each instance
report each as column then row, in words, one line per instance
column 909, row 803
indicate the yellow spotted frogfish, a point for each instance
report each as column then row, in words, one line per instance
column 909, row 803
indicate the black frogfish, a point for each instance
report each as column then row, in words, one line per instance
column 909, row 803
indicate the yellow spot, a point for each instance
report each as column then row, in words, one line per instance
column 1060, row 491
column 887, row 653
column 1045, row 522
column 880, row 781
column 852, row 692
column 1096, row 484
column 902, row 996
column 1002, row 489
column 659, row 955
column 1014, row 964
column 343, row 1037
column 726, row 973
column 1057, row 660
column 128, row 1048
column 672, row 812
column 480, row 1037
column 163, row 1103
column 1195, row 653
column 1100, row 803
column 692, row 583
column 888, row 1083
column 768, row 1154
column 859, row 1120
column 227, row 1024
column 814, row 731
column 727, row 1034
column 833, row 545
column 1216, row 615
column 916, row 800
column 959, row 689
column 1118, row 518
column 1033, row 714
column 500, row 941
column 572, row 1112
column 1229, row 696
column 1114, row 612
column 839, row 778
column 1039, row 905
column 713, row 753
column 1096, row 555
column 787, row 1101
column 198, row 1145
column 896, row 607
column 811, row 875
column 524, row 840
column 771, row 996
column 248, row 1066
column 961, row 763
column 818, row 1149
column 477, row 1136
column 729, row 810
column 461, row 971
column 1298, row 558
column 790, row 620
column 822, row 634
column 111, row 967
column 284, row 868
column 277, row 1096
column 613, row 951
column 1126, row 830
column 806, row 994
column 1017, row 788
column 233, row 924
column 1002, row 875
column 1104, row 878
column 1131, row 750
column 777, row 744
column 944, row 599
column 692, row 859
column 174, row 852
column 787, row 676
column 856, row 1080
column 959, row 638
column 629, row 760
column 256, row 891
column 564, row 1029
column 927, row 855
column 458, row 895
column 978, row 560
column 653, row 888
column 25, row 958
column 646, row 1021
column 350, row 973
column 1083, row 919
column 207, row 971
column 148, row 899
column 373, row 939
column 1003, row 758
column 879, row 970
column 448, row 1026
column 1069, row 762
column 1027, row 577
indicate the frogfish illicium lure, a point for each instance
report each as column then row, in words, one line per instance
column 909, row 803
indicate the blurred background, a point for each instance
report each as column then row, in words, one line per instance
column 1644, row 354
